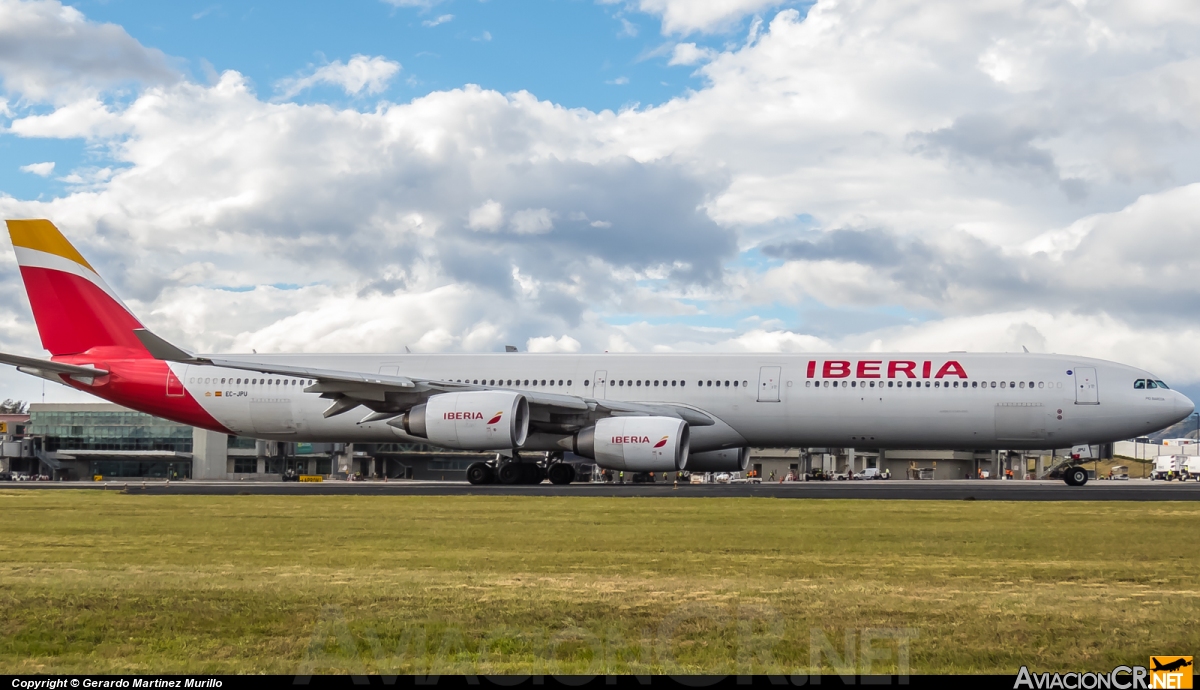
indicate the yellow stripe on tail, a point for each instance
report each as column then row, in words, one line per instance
column 41, row 235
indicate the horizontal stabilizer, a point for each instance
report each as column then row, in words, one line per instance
column 45, row 365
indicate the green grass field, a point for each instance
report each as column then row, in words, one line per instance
column 103, row 582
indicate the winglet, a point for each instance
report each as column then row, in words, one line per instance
column 161, row 349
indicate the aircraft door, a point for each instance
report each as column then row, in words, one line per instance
column 1087, row 388
column 599, row 384
column 768, row 384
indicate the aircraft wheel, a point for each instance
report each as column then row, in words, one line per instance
column 1076, row 476
column 534, row 474
column 479, row 473
column 510, row 473
column 561, row 473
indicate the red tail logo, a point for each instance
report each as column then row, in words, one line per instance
column 662, row 443
column 495, row 419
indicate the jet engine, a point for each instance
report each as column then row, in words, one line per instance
column 635, row 444
column 729, row 460
column 474, row 420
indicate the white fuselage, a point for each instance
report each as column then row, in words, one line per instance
column 867, row 400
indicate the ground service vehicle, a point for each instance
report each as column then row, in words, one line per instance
column 1167, row 467
column 1191, row 469
column 626, row 412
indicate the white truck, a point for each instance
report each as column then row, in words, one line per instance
column 1168, row 467
column 1192, row 469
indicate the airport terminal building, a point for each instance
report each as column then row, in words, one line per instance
column 76, row 441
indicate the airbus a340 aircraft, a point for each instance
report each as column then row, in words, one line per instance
column 633, row 412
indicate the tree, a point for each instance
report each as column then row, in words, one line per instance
column 10, row 406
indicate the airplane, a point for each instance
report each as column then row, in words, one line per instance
column 626, row 412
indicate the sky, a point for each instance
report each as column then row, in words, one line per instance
column 616, row 175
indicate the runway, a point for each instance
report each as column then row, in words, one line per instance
column 957, row 490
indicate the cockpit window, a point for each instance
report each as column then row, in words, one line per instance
column 1160, row 384
column 1139, row 384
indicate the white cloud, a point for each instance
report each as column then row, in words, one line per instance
column 440, row 19
column 706, row 16
column 361, row 73
column 51, row 52
column 619, row 81
column 39, row 169
column 690, row 54
column 551, row 344
column 488, row 216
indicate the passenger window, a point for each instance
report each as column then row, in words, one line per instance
column 1022, row 384
column 585, row 383
column 746, row 383
column 1031, row 384
column 1041, row 384
column 735, row 384
column 710, row 384
column 727, row 384
column 639, row 383
column 808, row 384
column 568, row 382
column 543, row 382
column 620, row 383
column 682, row 384
column 891, row 383
column 927, row 384
column 672, row 383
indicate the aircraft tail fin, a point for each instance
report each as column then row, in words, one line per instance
column 74, row 308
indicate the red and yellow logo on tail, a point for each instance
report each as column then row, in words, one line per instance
column 496, row 419
column 662, row 442
column 75, row 309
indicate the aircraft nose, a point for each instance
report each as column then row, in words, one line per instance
column 1183, row 405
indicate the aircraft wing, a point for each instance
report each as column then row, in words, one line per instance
column 388, row 396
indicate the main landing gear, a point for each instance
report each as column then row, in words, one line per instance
column 1075, row 476
column 512, row 469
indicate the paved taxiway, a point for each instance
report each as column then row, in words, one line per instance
column 985, row 490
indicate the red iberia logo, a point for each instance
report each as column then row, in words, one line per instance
column 495, row 419
column 630, row 439
column 1171, row 672
column 462, row 415
column 662, row 442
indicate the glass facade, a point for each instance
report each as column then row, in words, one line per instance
column 181, row 469
column 108, row 430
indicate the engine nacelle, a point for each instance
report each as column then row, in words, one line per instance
column 635, row 444
column 473, row 420
column 729, row 460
